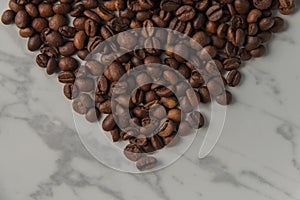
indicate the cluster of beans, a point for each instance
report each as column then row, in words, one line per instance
column 230, row 32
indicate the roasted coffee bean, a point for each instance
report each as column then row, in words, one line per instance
column 215, row 86
column 70, row 91
column 244, row 55
column 196, row 120
column 66, row 77
column 77, row 10
column 174, row 115
column 242, row 6
column 224, row 99
column 92, row 115
column 91, row 27
column 114, row 5
column 22, row 19
column 68, row 64
column 15, row 6
column 79, row 107
column 262, row 4
column 8, row 17
column 95, row 68
column 254, row 15
column 53, row 38
column 52, row 66
column 146, row 163
column 137, row 97
column 105, row 107
column 184, row 128
column 80, row 40
column 166, row 128
column 119, row 24
column 156, row 142
column 278, row 25
column 109, row 123
column 266, row 23
column 126, row 40
column 185, row 13
column 265, row 36
column 231, row 64
column 258, row 52
column 286, row 7
column 169, row 102
column 199, row 21
column 114, row 71
column 202, row 5
column 253, row 29
column 45, row 10
column 89, row 4
column 39, row 24
column 85, row 84
column 92, row 15
column 79, row 23
column 140, row 111
column 82, row 54
column 105, row 14
column 170, row 6
column 204, row 94
column 233, row 78
column 214, row 13
column 26, row 32
column 133, row 152
column 42, row 60
column 34, row 43
column 252, row 43
column 50, row 51
column 58, row 21
column 140, row 140
column 202, row 38
column 67, row 31
column 68, row 49
column 115, row 135
column 146, row 4
column 62, row 8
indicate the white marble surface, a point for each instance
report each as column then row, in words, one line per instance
column 257, row 158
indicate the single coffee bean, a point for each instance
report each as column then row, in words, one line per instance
column 266, row 23
column 231, row 64
column 67, row 31
column 50, row 51
column 105, row 107
column 15, row 6
column 202, row 5
column 109, row 123
column 68, row 49
column 8, row 17
column 92, row 15
column 262, row 4
column 77, row 10
column 85, row 84
column 66, row 77
column 286, row 7
column 204, row 94
column 79, row 107
column 106, row 32
column 140, row 140
column 224, row 99
column 52, row 66
column 90, row 27
column 42, row 60
column 114, row 71
column 253, row 29
column 90, row 4
column 185, row 13
column 242, row 6
column 62, row 8
column 265, row 36
column 278, row 25
column 202, row 38
column 196, row 120
column 254, row 16
column 214, row 13
column 119, row 24
column 166, row 128
column 199, row 21
column 133, row 152
column 222, row 30
column 114, row 5
column 238, row 21
column 115, row 135
column 80, row 40
column 156, row 142
column 252, row 43
column 45, row 10
column 233, row 78
column 170, row 6
column 258, row 52
column 58, row 21
column 34, row 43
column 177, row 25
column 138, row 96
column 146, row 4
column 184, row 128
column 126, row 40
column 94, row 67
column 185, row 105
column 215, row 86
column 175, row 115
column 105, row 14
column 70, row 91
column 169, row 102
column 82, row 54
column 26, row 32
column 53, row 38
column 22, row 19
column 79, row 23
column 68, row 64
column 244, row 55
column 39, row 24
column 146, row 163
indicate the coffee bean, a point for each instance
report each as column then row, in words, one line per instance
column 252, row 43
column 68, row 49
column 26, row 32
column 170, row 6
column 39, row 24
column 185, row 13
column 199, row 21
column 57, row 21
column 79, row 23
column 66, row 77
column 114, row 71
column 214, row 13
column 15, row 6
column 265, row 36
column 133, row 152
column 156, row 142
column 286, row 7
column 196, row 120
column 140, row 140
column 258, row 52
column 202, row 5
column 174, row 115
column 231, row 64
column 42, row 60
column 233, row 78
column 166, row 128
column 80, row 40
column 68, row 64
column 22, row 19
column 52, row 66
column 62, row 8
column 89, row 4
column 8, row 17
column 77, row 10
column 146, row 163
column 83, row 54
column 146, row 4
column 244, row 55
column 278, row 25
column 105, row 14
column 70, row 91
column 109, row 123
column 85, row 84
column 126, row 40
column 53, row 38
column 45, row 10
column 224, row 99
column 92, row 15
column 34, row 43
column 119, row 24
column 202, row 38
column 242, row 6
column 204, row 94
column 262, row 4
column 115, row 135
column 215, row 86
column 105, row 107
column 266, row 23
column 253, row 29
column 92, row 115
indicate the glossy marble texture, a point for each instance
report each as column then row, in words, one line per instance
column 257, row 157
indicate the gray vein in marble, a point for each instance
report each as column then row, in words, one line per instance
column 262, row 180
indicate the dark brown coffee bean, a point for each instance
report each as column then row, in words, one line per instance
column 253, row 29
column 39, row 24
column 224, row 99
column 45, row 10
column 239, row 21
column 68, row 49
column 15, row 6
column 26, row 32
column 242, row 6
column 79, row 107
column 58, row 21
column 80, row 40
column 91, row 27
column 114, row 71
column 66, row 77
column 126, row 40
column 109, row 123
column 146, row 163
column 77, row 10
column 42, row 60
column 278, row 25
column 202, row 38
column 252, row 43
column 231, row 64
column 22, row 19
column 34, row 43
column 68, row 64
column 266, row 23
column 222, row 30
column 174, row 115
column 166, row 128
column 105, row 107
column 237, row 37
column 79, row 23
column 105, row 14
column 119, row 24
column 170, row 6
column 214, row 13
column 233, row 78
column 90, row 4
column 53, row 38
column 196, row 120
column 177, row 25
column 258, row 52
column 244, row 55
column 8, row 17
column 133, row 152
column 50, row 51
column 143, row 80
column 262, row 4
column 286, row 7
column 115, row 135
column 215, row 86
column 184, row 129
column 254, row 16
column 137, row 97
column 82, row 54
column 70, row 91
column 265, row 36
column 102, row 85
column 62, row 9
column 92, row 115
column 202, row 5
column 67, row 31
column 52, row 66
column 146, row 4
column 185, row 13
column 106, row 32
column 92, row 15
column 156, row 142
column 140, row 111
column 140, row 140
column 204, row 94
column 199, row 21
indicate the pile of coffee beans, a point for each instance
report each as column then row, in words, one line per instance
column 66, row 31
